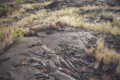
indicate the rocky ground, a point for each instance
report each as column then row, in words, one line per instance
column 60, row 53
column 53, row 55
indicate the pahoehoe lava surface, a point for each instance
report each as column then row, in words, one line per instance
column 52, row 55
column 58, row 54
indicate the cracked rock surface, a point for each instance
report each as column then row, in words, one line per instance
column 52, row 55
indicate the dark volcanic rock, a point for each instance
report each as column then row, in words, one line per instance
column 113, row 42
column 67, row 3
column 59, row 55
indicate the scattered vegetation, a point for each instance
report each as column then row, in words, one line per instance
column 8, row 32
column 108, row 57
column 17, row 33
column 34, row 5
column 100, row 18
column 8, row 35
column 70, row 16
column 4, row 10
column 5, row 36
column 19, row 1
column 116, row 23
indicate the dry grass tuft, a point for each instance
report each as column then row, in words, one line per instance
column 34, row 5
column 116, row 23
column 71, row 17
column 8, row 35
column 5, row 37
column 106, row 56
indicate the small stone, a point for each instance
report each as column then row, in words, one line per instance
column 96, row 65
column 62, row 76
column 24, row 62
column 106, row 77
column 90, row 52
column 43, row 69
column 93, row 78
column 83, row 69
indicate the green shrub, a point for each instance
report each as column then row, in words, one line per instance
column 18, row 33
column 4, row 10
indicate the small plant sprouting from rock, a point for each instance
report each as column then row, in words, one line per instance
column 18, row 33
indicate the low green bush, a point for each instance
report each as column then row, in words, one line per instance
column 18, row 33
column 4, row 10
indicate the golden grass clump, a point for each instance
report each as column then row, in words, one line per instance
column 5, row 36
column 107, row 56
column 69, row 16
column 8, row 35
column 34, row 5
column 116, row 22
